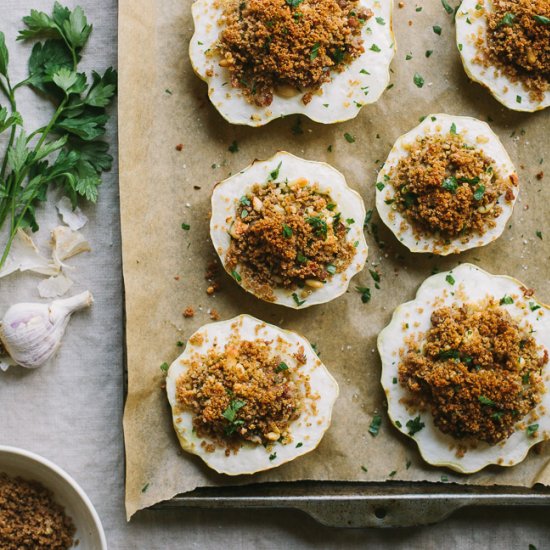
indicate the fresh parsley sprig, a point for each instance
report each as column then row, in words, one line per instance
column 66, row 152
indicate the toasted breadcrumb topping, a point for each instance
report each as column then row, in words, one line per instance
column 447, row 187
column 478, row 371
column 30, row 518
column 242, row 394
column 288, row 44
column 288, row 235
column 518, row 43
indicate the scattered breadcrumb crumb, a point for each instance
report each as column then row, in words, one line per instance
column 188, row 312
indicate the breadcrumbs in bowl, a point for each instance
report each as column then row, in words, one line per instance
column 43, row 507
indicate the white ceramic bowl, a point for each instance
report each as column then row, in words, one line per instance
column 66, row 491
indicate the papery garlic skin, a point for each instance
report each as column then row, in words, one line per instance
column 31, row 332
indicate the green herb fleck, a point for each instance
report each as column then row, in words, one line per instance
column 533, row 306
column 448, row 9
column 486, row 401
column 428, row 53
column 319, row 226
column 450, row 279
column 179, row 343
column 375, row 48
column 415, row 425
column 331, row 269
column 273, row 456
column 380, row 186
column 541, row 19
column 392, row 473
column 437, row 29
column 506, row 300
column 281, row 367
column 418, row 80
column 236, row 276
column 453, row 128
column 450, row 184
column 234, row 147
column 297, row 300
column 273, row 175
column 374, row 427
column 314, row 51
column 365, row 293
column 349, row 138
column 145, row 487
column 185, row 226
column 479, row 192
column 164, row 367
column 364, row 468
column 299, row 444
column 287, row 231
column 532, row 430
column 539, row 234
column 507, row 20
column 375, row 275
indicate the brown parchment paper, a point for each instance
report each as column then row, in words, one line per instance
column 163, row 104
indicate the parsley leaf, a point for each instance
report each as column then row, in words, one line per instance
column 418, row 80
column 532, row 430
column 66, row 151
column 486, row 401
column 541, row 19
column 507, row 20
column 506, row 300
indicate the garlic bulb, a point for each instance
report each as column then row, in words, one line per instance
column 31, row 333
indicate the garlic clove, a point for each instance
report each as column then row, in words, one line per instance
column 54, row 287
column 67, row 243
column 31, row 332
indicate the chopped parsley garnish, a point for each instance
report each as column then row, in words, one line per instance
column 479, row 192
column 331, row 269
column 236, row 276
column 244, row 200
column 164, row 367
column 428, row 53
column 365, row 293
column 294, row 3
column 408, row 57
column 299, row 444
column 319, row 226
column 281, row 367
column 230, row 413
column 418, row 80
column 437, row 29
column 287, row 231
column 415, row 425
column 244, row 213
column 364, row 71
column 275, row 173
column 497, row 415
column 314, row 51
column 316, row 350
column 486, row 401
column 471, row 181
column 392, row 473
column 375, row 48
column 273, row 456
column 179, row 343
column 453, row 128
column 533, row 306
column 349, row 138
column 449, row 354
column 532, row 430
column 506, row 300
column 234, row 147
column 297, row 300
column 541, row 19
column 444, row 478
column 448, row 9
column 300, row 258
column 539, row 234
column 408, row 464
column 380, row 186
column 145, row 487
column 450, row 184
column 185, row 226
column 518, row 99
column 398, row 424
column 375, row 275
column 364, row 468
column 374, row 427
column 508, row 20
column 450, row 279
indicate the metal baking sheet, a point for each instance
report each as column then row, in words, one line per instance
column 355, row 505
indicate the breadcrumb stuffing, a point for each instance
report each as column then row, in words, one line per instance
column 244, row 393
column 30, row 518
column 447, row 187
column 518, row 42
column 478, row 372
column 268, row 44
column 288, row 235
